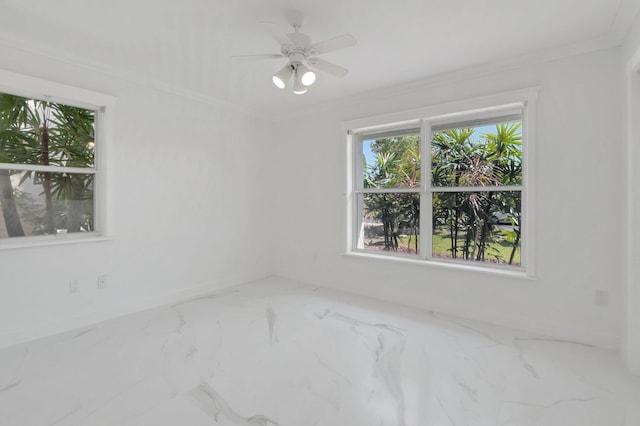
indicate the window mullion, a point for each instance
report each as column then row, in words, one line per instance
column 43, row 168
column 388, row 191
column 503, row 188
column 426, row 199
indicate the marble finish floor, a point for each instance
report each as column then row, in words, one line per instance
column 277, row 353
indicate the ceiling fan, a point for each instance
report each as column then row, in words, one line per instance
column 301, row 54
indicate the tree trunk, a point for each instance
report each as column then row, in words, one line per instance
column 46, row 184
column 467, row 238
column 456, row 230
column 515, row 246
column 416, row 222
column 469, row 232
column 485, row 228
column 385, row 226
column 453, row 233
column 451, row 237
column 9, row 209
column 483, row 241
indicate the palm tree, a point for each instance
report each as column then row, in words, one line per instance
column 17, row 145
column 411, row 176
column 504, row 149
column 396, row 165
column 383, row 174
column 492, row 160
column 450, row 162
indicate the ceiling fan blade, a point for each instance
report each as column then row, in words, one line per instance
column 328, row 67
column 276, row 32
column 340, row 42
column 253, row 58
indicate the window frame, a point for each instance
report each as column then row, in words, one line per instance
column 496, row 106
column 103, row 105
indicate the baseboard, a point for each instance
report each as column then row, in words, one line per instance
column 61, row 325
column 545, row 329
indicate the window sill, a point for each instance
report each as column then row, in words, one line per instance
column 518, row 274
column 50, row 240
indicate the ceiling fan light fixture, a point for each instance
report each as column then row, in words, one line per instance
column 307, row 77
column 279, row 83
column 282, row 77
column 298, row 87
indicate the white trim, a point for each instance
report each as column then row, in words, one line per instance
column 417, row 190
column 505, row 188
column 390, row 190
column 469, row 309
column 358, row 161
column 51, row 240
column 52, row 169
column 10, row 337
column 513, row 272
column 462, row 119
column 495, row 103
column 66, row 57
column 350, row 195
column 398, row 129
column 26, row 86
column 452, row 77
column 527, row 214
column 104, row 131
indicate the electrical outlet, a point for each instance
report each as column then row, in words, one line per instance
column 102, row 282
column 602, row 298
column 74, row 287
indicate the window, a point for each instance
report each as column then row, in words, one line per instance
column 449, row 188
column 388, row 196
column 50, row 183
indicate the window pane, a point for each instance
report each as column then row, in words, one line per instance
column 38, row 203
column 486, row 155
column 477, row 226
column 391, row 162
column 45, row 133
column 389, row 222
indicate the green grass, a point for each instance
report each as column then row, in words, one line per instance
column 497, row 251
column 409, row 240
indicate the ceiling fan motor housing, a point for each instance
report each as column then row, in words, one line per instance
column 300, row 40
column 297, row 57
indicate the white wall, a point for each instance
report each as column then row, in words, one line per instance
column 189, row 206
column 631, row 331
column 579, row 204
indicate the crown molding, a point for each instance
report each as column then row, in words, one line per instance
column 485, row 69
column 66, row 57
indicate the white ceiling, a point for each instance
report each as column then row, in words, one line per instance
column 187, row 44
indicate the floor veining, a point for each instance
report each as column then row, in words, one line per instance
column 277, row 353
